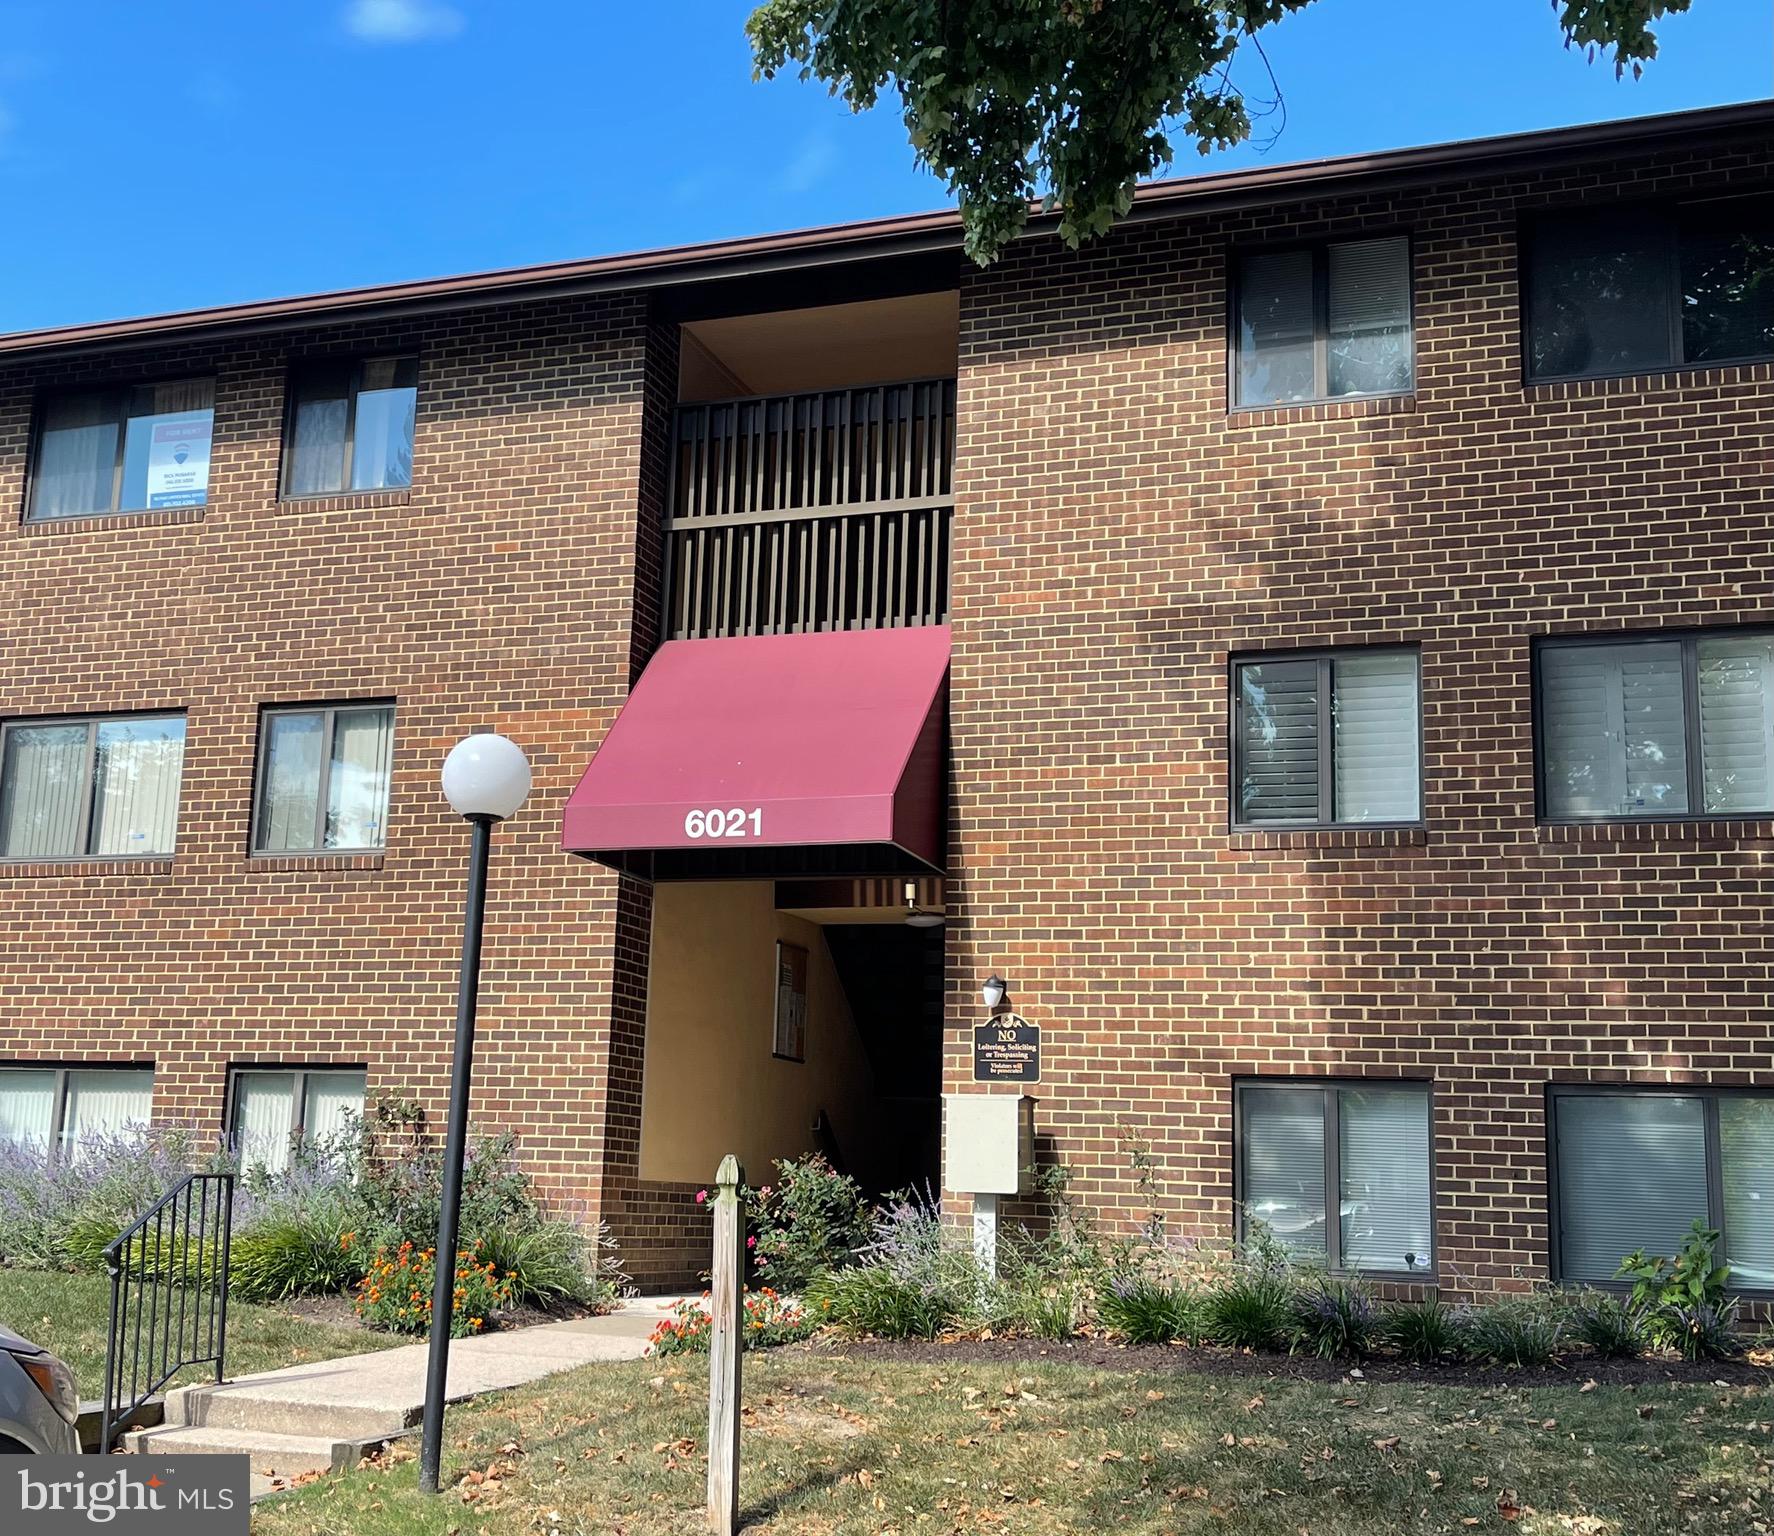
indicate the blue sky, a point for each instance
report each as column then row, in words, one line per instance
column 158, row 156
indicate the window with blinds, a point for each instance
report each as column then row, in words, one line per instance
column 1367, row 1142
column 1636, row 1168
column 1656, row 727
column 1324, row 322
column 277, row 1111
column 324, row 777
column 138, row 448
column 1327, row 739
column 350, row 426
column 1620, row 290
column 70, row 1109
column 90, row 787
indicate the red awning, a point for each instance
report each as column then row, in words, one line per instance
column 773, row 755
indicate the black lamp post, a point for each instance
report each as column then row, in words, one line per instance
column 485, row 778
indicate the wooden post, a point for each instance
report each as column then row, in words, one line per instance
column 725, row 1347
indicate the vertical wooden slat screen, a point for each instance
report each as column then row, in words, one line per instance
column 817, row 511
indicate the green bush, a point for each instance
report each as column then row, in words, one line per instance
column 1521, row 1330
column 811, row 1218
column 1143, row 1309
column 871, row 1299
column 1610, row 1325
column 1684, row 1299
column 1333, row 1319
column 296, row 1252
column 1252, row 1308
column 1424, row 1332
column 396, row 1293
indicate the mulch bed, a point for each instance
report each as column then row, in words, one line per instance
column 1098, row 1354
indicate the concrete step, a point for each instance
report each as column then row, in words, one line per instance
column 271, row 1454
column 258, row 1405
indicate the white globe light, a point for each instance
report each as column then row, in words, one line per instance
column 486, row 775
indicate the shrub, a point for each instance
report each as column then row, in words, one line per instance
column 546, row 1265
column 766, row 1320
column 1425, row 1332
column 1525, row 1330
column 1143, row 1309
column 1251, row 1308
column 295, row 1251
column 1684, row 1299
column 1333, row 1319
column 396, row 1293
column 1036, row 1304
column 1614, row 1328
column 812, row 1218
column 872, row 1299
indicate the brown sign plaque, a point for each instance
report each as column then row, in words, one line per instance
column 1007, row 1049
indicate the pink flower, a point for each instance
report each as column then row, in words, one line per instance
column 765, row 1191
column 751, row 1242
column 702, row 1197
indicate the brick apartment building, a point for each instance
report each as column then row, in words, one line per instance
column 1316, row 644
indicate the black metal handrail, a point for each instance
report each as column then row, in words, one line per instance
column 169, row 1295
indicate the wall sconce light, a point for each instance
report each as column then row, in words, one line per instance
column 992, row 993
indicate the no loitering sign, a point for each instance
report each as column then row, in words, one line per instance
column 1007, row 1049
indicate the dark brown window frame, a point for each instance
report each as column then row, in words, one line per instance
column 1320, row 249
column 1689, row 639
column 1666, row 210
column 120, row 391
column 262, row 761
column 356, row 362
column 1325, row 656
column 63, row 1070
column 301, row 1071
column 92, row 722
column 1715, row 1168
column 1330, row 1087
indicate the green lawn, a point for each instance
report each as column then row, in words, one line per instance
column 838, row 1445
column 69, row 1314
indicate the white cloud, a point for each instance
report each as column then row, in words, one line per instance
column 809, row 167
column 402, row 21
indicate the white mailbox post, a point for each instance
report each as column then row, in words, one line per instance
column 988, row 1142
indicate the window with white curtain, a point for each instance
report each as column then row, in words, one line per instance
column 90, row 787
column 1368, row 1143
column 275, row 1110
column 70, row 1107
column 323, row 778
column 1327, row 739
column 350, row 426
column 139, row 448
column 1636, row 1168
column 1656, row 726
column 1324, row 322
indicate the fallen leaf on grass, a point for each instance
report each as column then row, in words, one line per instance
column 1388, row 1444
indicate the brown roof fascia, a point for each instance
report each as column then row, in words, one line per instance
column 883, row 239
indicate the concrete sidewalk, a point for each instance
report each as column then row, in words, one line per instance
column 324, row 1416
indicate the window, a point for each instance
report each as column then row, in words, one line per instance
column 1636, row 1168
column 323, row 779
column 275, row 1110
column 1656, row 727
column 1367, row 1141
column 1326, row 739
column 351, row 426
column 1626, row 290
column 131, row 449
column 1323, row 322
column 105, row 787
column 69, row 1106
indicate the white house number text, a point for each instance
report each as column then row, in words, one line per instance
column 733, row 822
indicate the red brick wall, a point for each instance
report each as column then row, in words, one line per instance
column 496, row 594
column 1119, row 535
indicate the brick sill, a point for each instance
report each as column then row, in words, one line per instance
column 354, row 501
column 1625, row 832
column 39, row 869
column 1683, row 376
column 1320, row 410
column 1332, row 838
column 315, row 861
column 105, row 522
